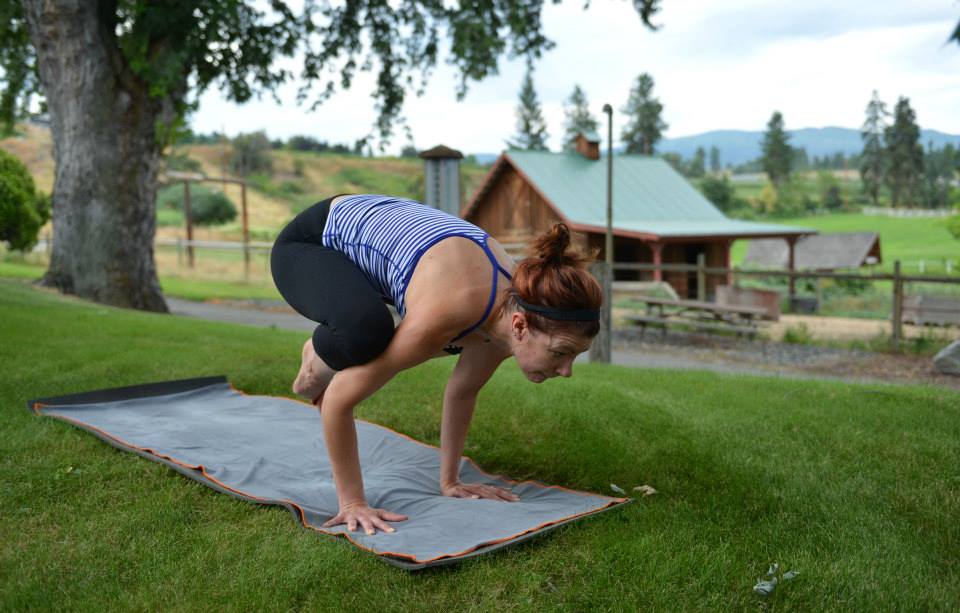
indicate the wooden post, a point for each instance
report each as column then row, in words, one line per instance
column 246, row 232
column 189, row 217
column 726, row 262
column 657, row 249
column 701, row 277
column 600, row 349
column 791, row 267
column 897, row 334
column 179, row 253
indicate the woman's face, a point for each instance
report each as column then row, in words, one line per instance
column 542, row 356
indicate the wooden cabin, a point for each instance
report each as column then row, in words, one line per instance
column 658, row 216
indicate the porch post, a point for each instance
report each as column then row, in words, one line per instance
column 657, row 248
column 726, row 261
column 791, row 266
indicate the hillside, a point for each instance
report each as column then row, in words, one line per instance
column 298, row 180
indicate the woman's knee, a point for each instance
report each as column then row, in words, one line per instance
column 357, row 340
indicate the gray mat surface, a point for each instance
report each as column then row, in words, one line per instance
column 270, row 450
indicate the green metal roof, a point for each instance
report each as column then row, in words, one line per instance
column 648, row 196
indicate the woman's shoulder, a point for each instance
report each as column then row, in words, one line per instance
column 452, row 289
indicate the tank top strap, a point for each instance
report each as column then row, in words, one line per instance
column 497, row 269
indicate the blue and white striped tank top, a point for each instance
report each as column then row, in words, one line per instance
column 386, row 236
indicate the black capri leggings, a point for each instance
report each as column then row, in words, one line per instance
column 324, row 285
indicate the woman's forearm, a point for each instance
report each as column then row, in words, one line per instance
column 457, row 413
column 340, row 435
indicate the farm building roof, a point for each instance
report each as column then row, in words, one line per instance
column 820, row 252
column 649, row 196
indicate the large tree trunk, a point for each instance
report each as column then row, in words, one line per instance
column 106, row 156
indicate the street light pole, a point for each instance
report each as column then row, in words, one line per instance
column 601, row 350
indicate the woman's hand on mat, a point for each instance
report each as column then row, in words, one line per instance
column 478, row 490
column 368, row 518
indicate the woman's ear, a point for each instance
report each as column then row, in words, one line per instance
column 518, row 326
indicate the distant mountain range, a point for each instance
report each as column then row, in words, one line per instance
column 738, row 146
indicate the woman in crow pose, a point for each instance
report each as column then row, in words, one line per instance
column 456, row 291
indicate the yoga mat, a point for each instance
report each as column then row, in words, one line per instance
column 271, row 450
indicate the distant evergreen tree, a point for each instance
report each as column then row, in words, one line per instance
column 698, row 164
column 777, row 153
column 644, row 127
column 720, row 192
column 576, row 110
column 939, row 168
column 873, row 159
column 829, row 189
column 531, row 127
column 714, row 159
column 799, row 160
column 905, row 155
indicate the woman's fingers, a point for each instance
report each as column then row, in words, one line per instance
column 487, row 491
column 367, row 525
column 391, row 516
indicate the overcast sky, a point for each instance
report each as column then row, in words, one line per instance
column 716, row 65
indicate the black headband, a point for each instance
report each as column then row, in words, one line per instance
column 563, row 314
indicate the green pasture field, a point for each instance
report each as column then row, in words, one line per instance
column 855, row 486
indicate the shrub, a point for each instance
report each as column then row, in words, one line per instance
column 798, row 335
column 207, row 207
column 251, row 153
column 953, row 224
column 23, row 211
column 181, row 162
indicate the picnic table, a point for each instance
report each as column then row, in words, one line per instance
column 661, row 312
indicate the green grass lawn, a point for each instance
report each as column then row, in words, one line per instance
column 857, row 487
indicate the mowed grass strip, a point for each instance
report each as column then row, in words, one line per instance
column 856, row 486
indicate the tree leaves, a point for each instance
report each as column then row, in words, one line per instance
column 182, row 48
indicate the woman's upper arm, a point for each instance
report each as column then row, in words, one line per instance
column 413, row 342
column 476, row 365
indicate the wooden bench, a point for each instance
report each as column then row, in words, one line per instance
column 699, row 315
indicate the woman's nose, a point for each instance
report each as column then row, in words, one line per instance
column 566, row 370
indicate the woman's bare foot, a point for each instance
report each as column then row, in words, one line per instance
column 314, row 375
